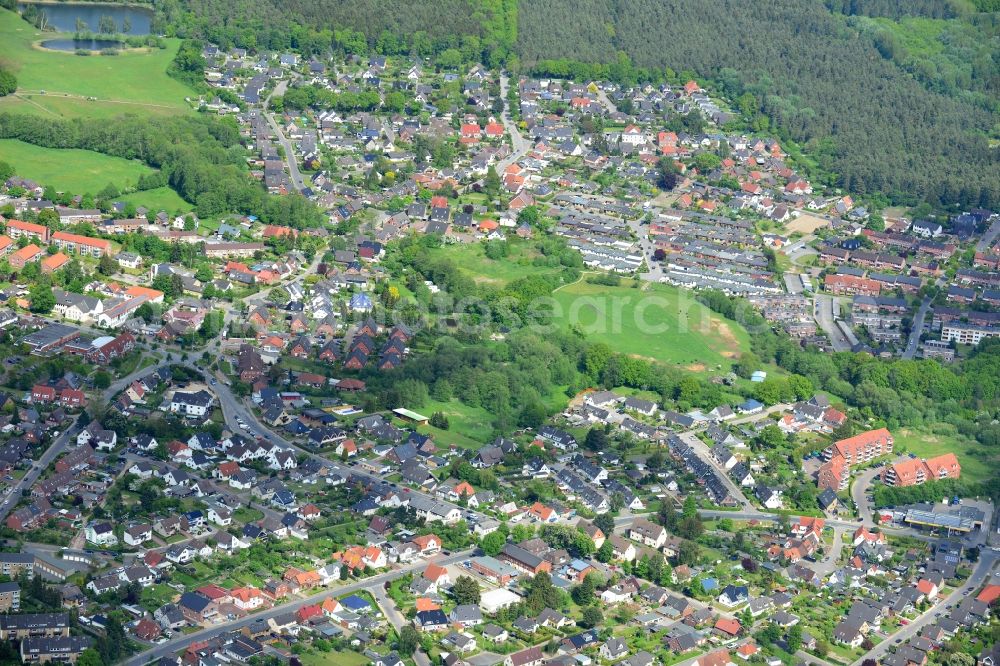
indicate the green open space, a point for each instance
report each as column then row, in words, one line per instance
column 333, row 658
column 468, row 427
column 655, row 321
column 978, row 462
column 157, row 199
column 520, row 261
column 132, row 81
column 70, row 170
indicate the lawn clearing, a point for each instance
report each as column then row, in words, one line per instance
column 70, row 170
column 160, row 198
column 978, row 462
column 469, row 427
column 345, row 658
column 655, row 321
column 471, row 258
column 133, row 81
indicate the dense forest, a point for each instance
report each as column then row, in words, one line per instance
column 818, row 80
column 482, row 29
column 201, row 157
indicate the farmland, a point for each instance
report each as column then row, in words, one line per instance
column 90, row 171
column 64, row 84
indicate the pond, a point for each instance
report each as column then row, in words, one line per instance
column 84, row 44
column 62, row 16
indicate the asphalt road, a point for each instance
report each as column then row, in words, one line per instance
column 858, row 490
column 520, row 146
column 917, row 328
column 182, row 642
column 290, row 161
column 823, row 312
column 47, row 458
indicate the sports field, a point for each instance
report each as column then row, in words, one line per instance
column 76, row 171
column 61, row 83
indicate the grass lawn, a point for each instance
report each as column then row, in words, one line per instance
column 345, row 658
column 131, row 81
column 469, row 427
column 89, row 171
column 978, row 462
column 161, row 198
column 472, row 259
column 656, row 321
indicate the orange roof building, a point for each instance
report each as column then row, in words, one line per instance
column 96, row 247
column 989, row 594
column 916, row 471
column 151, row 295
column 18, row 228
column 25, row 256
column 6, row 244
column 862, row 448
column 425, row 604
column 54, row 262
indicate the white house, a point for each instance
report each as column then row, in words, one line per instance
column 197, row 403
column 101, row 534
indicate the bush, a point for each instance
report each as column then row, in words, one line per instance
column 8, row 82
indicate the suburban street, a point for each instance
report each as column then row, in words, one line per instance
column 396, row 619
column 181, row 642
column 520, row 146
column 703, row 451
column 859, row 489
column 987, row 561
column 917, row 328
column 293, row 167
column 36, row 470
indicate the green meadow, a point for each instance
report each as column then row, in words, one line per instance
column 77, row 171
column 61, row 83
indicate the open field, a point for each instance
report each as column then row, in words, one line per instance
column 472, row 259
column 161, row 198
column 806, row 224
column 469, row 427
column 978, row 462
column 658, row 322
column 77, row 171
column 652, row 321
column 134, row 81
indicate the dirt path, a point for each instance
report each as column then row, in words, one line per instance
column 85, row 98
column 580, row 279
